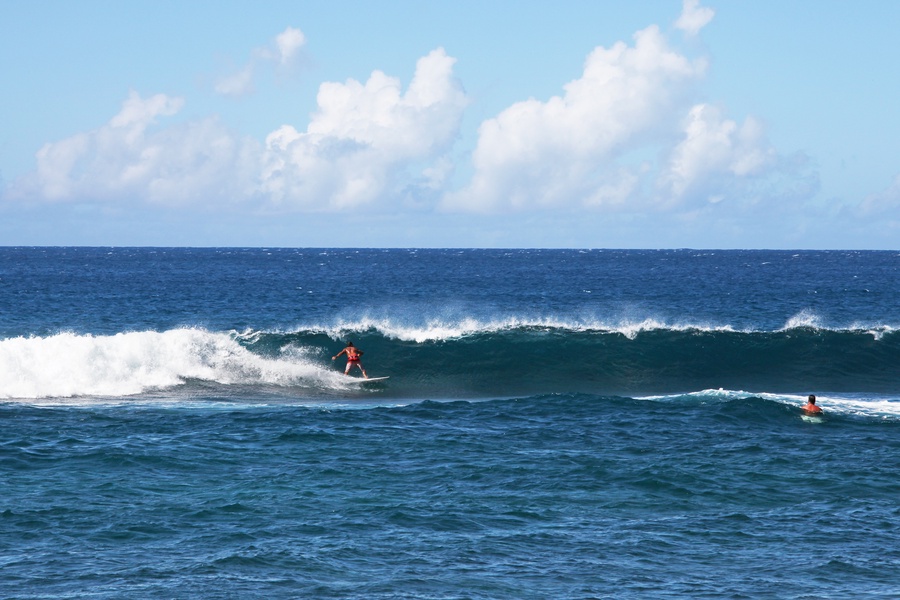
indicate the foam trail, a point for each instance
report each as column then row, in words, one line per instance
column 67, row 364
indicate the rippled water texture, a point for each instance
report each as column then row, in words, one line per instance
column 563, row 496
column 557, row 424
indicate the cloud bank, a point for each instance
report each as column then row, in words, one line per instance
column 131, row 158
column 630, row 135
column 366, row 142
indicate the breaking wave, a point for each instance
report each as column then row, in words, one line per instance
column 461, row 358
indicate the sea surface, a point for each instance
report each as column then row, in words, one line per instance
column 556, row 424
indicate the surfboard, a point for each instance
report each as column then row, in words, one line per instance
column 371, row 379
column 812, row 418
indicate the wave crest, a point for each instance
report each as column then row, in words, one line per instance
column 438, row 330
column 461, row 358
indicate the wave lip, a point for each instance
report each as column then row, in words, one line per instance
column 439, row 330
column 807, row 319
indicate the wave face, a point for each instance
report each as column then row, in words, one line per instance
column 539, row 359
column 462, row 360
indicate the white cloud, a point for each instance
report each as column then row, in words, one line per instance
column 714, row 147
column 364, row 143
column 130, row 159
column 364, row 136
column 627, row 137
column 282, row 51
column 239, row 83
column 289, row 43
column 137, row 113
column 694, row 17
column 565, row 150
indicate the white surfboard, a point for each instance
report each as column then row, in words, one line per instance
column 370, row 379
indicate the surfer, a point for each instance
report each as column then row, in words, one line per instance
column 353, row 356
column 811, row 408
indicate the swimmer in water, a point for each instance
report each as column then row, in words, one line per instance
column 811, row 408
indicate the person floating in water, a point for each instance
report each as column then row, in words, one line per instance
column 811, row 408
column 353, row 356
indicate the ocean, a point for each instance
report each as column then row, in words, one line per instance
column 556, row 424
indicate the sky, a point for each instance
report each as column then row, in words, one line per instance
column 486, row 124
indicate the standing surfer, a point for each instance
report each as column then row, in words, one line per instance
column 353, row 356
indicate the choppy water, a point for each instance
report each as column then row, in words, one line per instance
column 557, row 424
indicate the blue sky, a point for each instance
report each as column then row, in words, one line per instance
column 600, row 124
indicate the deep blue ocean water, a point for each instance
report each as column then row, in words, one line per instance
column 557, row 424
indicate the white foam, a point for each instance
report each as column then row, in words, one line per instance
column 807, row 319
column 447, row 329
column 68, row 364
column 876, row 331
column 885, row 407
column 804, row 319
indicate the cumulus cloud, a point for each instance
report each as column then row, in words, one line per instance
column 694, row 17
column 129, row 157
column 282, row 51
column 714, row 145
column 565, row 150
column 627, row 136
column 367, row 141
column 362, row 135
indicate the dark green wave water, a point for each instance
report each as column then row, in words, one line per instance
column 531, row 360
